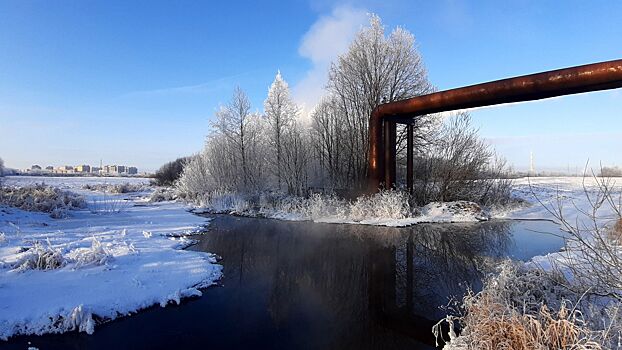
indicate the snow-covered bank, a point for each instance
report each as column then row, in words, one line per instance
column 104, row 264
column 387, row 208
column 391, row 208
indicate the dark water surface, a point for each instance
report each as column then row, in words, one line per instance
column 294, row 285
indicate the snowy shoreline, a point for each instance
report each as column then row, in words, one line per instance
column 113, row 263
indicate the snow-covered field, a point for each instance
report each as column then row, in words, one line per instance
column 573, row 194
column 118, row 256
column 71, row 183
column 576, row 197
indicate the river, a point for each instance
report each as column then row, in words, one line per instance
column 301, row 285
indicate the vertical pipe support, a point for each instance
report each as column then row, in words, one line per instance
column 375, row 171
column 390, row 136
column 409, row 157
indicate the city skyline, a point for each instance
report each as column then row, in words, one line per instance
column 82, row 168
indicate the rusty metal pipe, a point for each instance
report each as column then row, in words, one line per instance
column 574, row 80
column 409, row 157
column 390, row 137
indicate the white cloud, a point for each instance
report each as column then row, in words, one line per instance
column 327, row 38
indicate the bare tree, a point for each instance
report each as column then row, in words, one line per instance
column 329, row 142
column 459, row 165
column 232, row 123
column 296, row 158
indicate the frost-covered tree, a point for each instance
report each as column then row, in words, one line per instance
column 196, row 178
column 281, row 113
column 296, row 158
column 329, row 143
column 234, row 155
column 376, row 68
column 232, row 122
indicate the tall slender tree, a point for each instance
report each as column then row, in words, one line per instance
column 232, row 123
column 281, row 113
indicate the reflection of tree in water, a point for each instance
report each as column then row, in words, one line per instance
column 353, row 286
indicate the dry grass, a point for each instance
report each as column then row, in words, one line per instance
column 41, row 198
column 511, row 313
column 492, row 324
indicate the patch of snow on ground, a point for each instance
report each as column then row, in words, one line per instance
column 104, row 264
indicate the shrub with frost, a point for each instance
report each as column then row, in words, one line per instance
column 195, row 180
column 116, row 188
column 223, row 201
column 385, row 204
column 42, row 198
column 40, row 257
column 95, row 255
column 163, row 194
column 324, row 206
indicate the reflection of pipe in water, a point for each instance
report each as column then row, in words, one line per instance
column 428, row 264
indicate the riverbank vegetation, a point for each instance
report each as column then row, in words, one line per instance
column 571, row 299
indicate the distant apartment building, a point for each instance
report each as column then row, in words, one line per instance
column 84, row 168
column 96, row 169
column 64, row 169
column 132, row 170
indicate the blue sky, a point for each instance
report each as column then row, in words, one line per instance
column 136, row 82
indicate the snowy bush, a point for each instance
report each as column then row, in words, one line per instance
column 170, row 172
column 195, row 180
column 96, row 255
column 222, row 201
column 385, row 204
column 42, row 198
column 323, row 206
column 40, row 257
column 116, row 188
column 163, row 194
